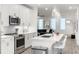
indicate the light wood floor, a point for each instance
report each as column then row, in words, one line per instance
column 71, row 47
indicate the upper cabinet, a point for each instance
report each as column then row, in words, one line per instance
column 28, row 17
column 25, row 15
column 14, row 10
column 4, row 15
column 6, row 11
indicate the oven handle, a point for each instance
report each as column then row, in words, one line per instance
column 19, row 38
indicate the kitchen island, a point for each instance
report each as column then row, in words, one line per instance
column 46, row 40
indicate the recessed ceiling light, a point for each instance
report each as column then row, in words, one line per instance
column 46, row 8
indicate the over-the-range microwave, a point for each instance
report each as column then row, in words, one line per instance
column 14, row 20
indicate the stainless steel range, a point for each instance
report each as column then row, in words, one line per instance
column 19, row 43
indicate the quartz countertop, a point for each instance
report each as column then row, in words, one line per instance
column 5, row 36
column 46, row 42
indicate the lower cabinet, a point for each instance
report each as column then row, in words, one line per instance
column 27, row 41
column 7, row 45
column 28, row 38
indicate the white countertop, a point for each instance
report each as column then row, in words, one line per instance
column 46, row 42
column 53, row 37
column 5, row 36
column 29, row 32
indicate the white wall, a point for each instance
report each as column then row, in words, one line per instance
column 33, row 19
column 70, row 28
column 77, row 28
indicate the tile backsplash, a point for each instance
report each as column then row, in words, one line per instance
column 8, row 29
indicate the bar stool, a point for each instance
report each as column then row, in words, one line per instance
column 39, row 50
column 59, row 46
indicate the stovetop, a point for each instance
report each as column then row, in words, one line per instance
column 11, row 34
column 15, row 34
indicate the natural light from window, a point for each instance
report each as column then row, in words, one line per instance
column 53, row 23
column 40, row 23
column 62, row 24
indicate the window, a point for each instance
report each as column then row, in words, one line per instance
column 62, row 24
column 40, row 23
column 53, row 23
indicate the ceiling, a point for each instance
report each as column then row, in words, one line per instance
column 63, row 9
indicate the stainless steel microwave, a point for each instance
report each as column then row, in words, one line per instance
column 14, row 20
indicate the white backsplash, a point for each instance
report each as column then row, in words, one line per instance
column 7, row 29
column 12, row 29
column 21, row 29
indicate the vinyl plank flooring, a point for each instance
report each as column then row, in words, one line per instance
column 71, row 47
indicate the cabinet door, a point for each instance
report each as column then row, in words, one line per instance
column 7, row 45
column 3, row 46
column 10, row 44
column 30, row 37
column 27, row 41
column 5, row 16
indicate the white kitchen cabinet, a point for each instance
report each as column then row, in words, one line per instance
column 7, row 45
column 5, row 18
column 28, row 38
column 27, row 41
column 26, row 17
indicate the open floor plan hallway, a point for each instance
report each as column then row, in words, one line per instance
column 71, row 47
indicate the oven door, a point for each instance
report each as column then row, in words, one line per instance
column 19, row 43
